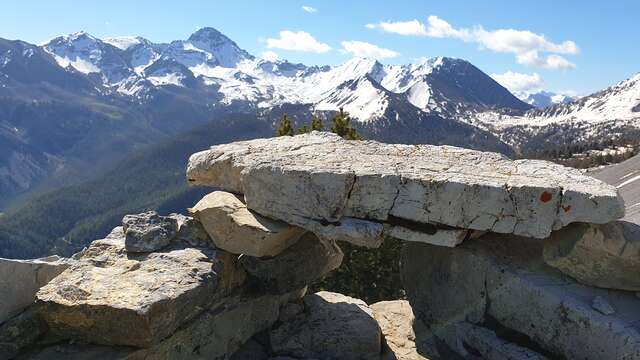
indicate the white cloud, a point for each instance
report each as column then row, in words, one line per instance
column 297, row 41
column 518, row 82
column 525, row 44
column 365, row 49
column 270, row 56
column 309, row 9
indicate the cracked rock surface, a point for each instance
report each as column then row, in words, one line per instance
column 320, row 177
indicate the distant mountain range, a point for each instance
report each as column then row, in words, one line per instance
column 76, row 106
column 543, row 99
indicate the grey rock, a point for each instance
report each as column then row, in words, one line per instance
column 20, row 280
column 236, row 229
column 20, row 332
column 603, row 306
column 472, row 341
column 191, row 231
column 440, row 237
column 221, row 330
column 113, row 297
column 251, row 350
column 321, row 177
column 299, row 265
column 503, row 280
column 333, row 326
column 606, row 256
column 147, row 232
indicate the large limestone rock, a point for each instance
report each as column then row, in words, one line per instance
column 113, row 297
column 148, row 231
column 21, row 279
column 333, row 326
column 396, row 321
column 502, row 282
column 299, row 265
column 238, row 230
column 321, row 177
column 606, row 256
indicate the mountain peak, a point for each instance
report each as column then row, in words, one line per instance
column 225, row 50
column 207, row 33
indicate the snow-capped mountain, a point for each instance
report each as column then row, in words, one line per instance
column 134, row 66
column 605, row 117
column 543, row 99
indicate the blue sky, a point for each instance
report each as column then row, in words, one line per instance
column 586, row 46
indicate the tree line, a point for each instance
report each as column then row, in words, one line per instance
column 340, row 125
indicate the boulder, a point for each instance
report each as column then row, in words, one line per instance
column 321, row 177
column 222, row 329
column 333, row 326
column 606, row 256
column 113, row 297
column 238, row 230
column 301, row 264
column 148, row 231
column 20, row 280
column 396, row 322
column 191, row 232
column 502, row 283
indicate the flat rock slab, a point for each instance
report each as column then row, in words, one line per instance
column 501, row 282
column 606, row 256
column 20, row 280
column 238, row 230
column 112, row 297
column 321, row 177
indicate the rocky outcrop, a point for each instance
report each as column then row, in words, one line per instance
column 113, row 297
column 230, row 282
column 502, row 283
column 238, row 230
column 320, row 177
column 21, row 279
column 332, row 326
column 148, row 231
column 606, row 256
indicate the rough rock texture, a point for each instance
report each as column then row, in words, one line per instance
column 301, row 264
column 321, row 177
column 333, row 326
column 191, row 231
column 148, row 231
column 115, row 298
column 238, row 230
column 396, row 322
column 476, row 342
column 20, row 332
column 606, row 256
column 21, row 279
column 502, row 282
column 222, row 329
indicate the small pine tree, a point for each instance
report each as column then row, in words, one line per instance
column 285, row 128
column 303, row 130
column 316, row 123
column 340, row 126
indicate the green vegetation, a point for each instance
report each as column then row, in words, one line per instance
column 368, row 274
column 65, row 220
column 285, row 128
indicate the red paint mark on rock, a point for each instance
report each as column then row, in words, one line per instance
column 566, row 208
column 545, row 197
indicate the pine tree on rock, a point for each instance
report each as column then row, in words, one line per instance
column 316, row 123
column 340, row 126
column 285, row 128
